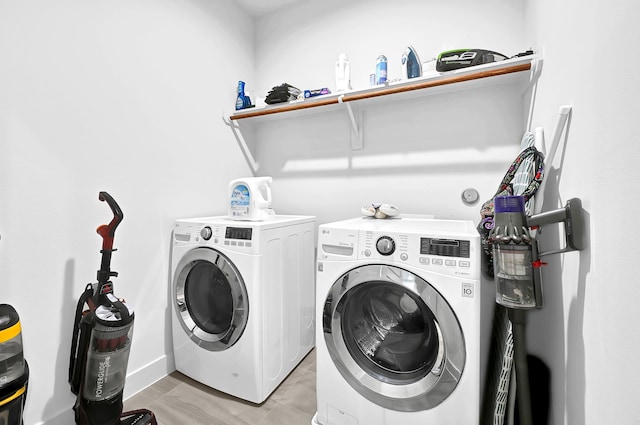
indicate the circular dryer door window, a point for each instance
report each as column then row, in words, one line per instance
column 210, row 298
column 393, row 337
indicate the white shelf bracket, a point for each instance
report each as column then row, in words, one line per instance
column 534, row 75
column 253, row 165
column 356, row 131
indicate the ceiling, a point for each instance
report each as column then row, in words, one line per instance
column 262, row 7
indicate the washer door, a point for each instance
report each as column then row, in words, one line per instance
column 210, row 299
column 393, row 337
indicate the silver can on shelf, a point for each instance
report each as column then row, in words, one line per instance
column 381, row 69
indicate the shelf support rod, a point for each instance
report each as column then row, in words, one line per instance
column 356, row 133
column 251, row 162
column 561, row 127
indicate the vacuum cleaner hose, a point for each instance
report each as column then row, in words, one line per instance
column 523, row 391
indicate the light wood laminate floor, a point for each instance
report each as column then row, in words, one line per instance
column 179, row 400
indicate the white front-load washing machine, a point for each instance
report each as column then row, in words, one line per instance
column 402, row 322
column 243, row 301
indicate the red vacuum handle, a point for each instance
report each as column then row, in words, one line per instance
column 108, row 231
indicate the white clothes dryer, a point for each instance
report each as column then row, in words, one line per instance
column 243, row 301
column 403, row 322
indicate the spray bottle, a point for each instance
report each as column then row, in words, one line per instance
column 241, row 99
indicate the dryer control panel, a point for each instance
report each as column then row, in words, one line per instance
column 231, row 238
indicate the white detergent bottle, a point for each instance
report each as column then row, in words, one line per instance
column 343, row 73
column 250, row 199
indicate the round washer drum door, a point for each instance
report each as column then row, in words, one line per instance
column 210, row 299
column 393, row 337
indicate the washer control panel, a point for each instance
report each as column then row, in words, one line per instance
column 445, row 247
column 446, row 255
column 449, row 247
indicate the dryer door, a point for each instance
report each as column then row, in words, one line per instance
column 210, row 298
column 393, row 337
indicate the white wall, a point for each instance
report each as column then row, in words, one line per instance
column 126, row 97
column 587, row 331
column 300, row 45
column 120, row 96
column 414, row 149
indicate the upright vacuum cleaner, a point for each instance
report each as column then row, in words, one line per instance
column 14, row 371
column 101, row 342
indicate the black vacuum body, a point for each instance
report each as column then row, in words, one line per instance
column 104, row 344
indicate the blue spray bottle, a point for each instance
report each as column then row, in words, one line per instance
column 240, row 100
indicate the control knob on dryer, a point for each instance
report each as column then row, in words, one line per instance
column 206, row 233
column 385, row 245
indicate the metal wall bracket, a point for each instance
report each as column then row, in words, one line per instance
column 572, row 216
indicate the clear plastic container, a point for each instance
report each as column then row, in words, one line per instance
column 107, row 361
column 11, row 353
column 515, row 285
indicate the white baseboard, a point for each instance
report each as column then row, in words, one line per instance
column 140, row 379
column 137, row 381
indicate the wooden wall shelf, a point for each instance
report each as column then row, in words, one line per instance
column 519, row 73
column 479, row 73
